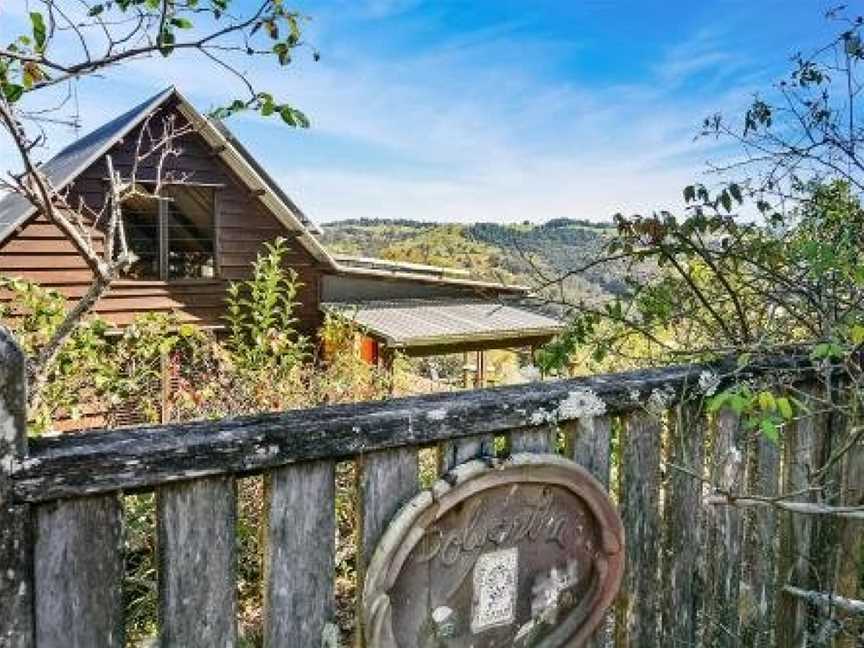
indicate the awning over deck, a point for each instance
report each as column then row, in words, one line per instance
column 426, row 326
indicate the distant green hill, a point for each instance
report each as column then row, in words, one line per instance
column 527, row 253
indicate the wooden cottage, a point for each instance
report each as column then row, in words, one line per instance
column 223, row 206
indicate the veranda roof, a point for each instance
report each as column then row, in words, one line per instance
column 418, row 324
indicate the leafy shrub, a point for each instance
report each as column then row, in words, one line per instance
column 263, row 364
column 82, row 373
column 263, row 337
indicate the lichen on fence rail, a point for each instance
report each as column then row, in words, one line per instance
column 104, row 461
column 643, row 434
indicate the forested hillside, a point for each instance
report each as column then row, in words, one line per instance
column 527, row 253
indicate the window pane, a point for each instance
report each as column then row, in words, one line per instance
column 191, row 233
column 141, row 217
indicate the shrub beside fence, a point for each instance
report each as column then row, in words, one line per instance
column 696, row 573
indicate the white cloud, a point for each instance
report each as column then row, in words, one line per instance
column 505, row 146
column 535, row 194
column 467, row 130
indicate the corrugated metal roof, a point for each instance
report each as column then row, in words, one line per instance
column 64, row 167
column 427, row 322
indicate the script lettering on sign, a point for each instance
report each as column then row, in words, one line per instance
column 534, row 521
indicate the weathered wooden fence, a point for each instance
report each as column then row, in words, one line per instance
column 695, row 574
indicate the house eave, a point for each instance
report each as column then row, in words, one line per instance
column 9, row 229
column 397, row 275
column 268, row 196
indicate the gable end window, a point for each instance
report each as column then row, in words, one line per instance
column 172, row 237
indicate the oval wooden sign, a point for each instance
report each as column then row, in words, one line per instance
column 525, row 552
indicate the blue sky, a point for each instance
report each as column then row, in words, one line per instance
column 490, row 110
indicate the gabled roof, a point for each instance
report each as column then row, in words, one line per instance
column 69, row 163
column 73, row 160
column 261, row 171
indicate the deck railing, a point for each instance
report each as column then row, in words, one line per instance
column 695, row 574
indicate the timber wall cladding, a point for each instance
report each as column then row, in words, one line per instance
column 695, row 574
column 39, row 252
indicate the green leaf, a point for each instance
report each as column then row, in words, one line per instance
column 12, row 92
column 718, row 401
column 819, row 351
column 186, row 330
column 302, row 119
column 283, row 53
column 767, row 401
column 769, row 429
column 856, row 334
column 166, row 43
column 287, row 114
column 785, row 408
column 293, row 117
column 182, row 23
column 689, row 193
column 735, row 190
column 39, row 32
column 738, row 403
column 95, row 10
column 827, row 350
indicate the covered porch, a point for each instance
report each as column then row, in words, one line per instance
column 420, row 328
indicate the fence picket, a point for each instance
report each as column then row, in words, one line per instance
column 850, row 563
column 587, row 442
column 386, row 481
column 453, row 453
column 197, row 524
column 726, row 529
column 795, row 533
column 636, row 622
column 79, row 603
column 759, row 578
column 299, row 556
column 682, row 523
column 16, row 558
column 536, row 439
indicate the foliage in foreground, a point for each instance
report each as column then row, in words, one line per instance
column 263, row 364
column 768, row 259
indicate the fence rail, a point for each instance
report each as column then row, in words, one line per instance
column 104, row 461
column 695, row 575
